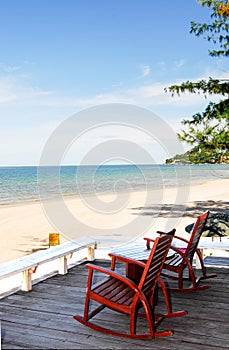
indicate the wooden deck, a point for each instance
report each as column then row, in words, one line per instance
column 42, row 318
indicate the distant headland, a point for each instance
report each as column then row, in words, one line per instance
column 198, row 155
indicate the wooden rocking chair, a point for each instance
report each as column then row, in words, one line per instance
column 123, row 295
column 183, row 259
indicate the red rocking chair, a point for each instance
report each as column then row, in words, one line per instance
column 119, row 293
column 183, row 259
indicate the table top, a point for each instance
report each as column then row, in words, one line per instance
column 136, row 252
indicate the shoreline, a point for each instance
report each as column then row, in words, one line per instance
column 73, row 196
column 113, row 219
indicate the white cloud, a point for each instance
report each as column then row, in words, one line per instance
column 7, row 90
column 23, row 145
column 162, row 66
column 11, row 69
column 178, row 64
column 12, row 88
column 145, row 70
column 118, row 84
column 145, row 95
column 102, row 137
column 148, row 95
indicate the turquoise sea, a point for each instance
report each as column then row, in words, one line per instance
column 21, row 184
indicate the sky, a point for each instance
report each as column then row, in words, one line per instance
column 61, row 57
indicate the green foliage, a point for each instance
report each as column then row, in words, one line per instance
column 200, row 155
column 209, row 130
column 217, row 31
column 212, row 86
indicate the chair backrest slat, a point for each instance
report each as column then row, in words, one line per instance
column 155, row 261
column 195, row 235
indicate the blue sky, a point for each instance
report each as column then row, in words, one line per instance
column 59, row 57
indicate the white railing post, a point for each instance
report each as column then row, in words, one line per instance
column 27, row 280
column 91, row 253
column 63, row 265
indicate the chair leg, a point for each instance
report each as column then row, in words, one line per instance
column 203, row 268
column 87, row 300
column 191, row 278
column 86, row 307
column 180, row 280
column 133, row 322
column 168, row 302
column 194, row 281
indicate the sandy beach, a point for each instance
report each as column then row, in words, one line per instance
column 112, row 219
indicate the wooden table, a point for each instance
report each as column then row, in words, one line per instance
column 135, row 252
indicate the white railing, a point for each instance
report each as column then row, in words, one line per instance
column 23, row 272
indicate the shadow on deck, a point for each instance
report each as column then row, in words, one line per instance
column 42, row 318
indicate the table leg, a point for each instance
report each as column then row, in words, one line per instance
column 134, row 272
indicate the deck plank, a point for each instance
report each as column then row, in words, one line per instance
column 42, row 318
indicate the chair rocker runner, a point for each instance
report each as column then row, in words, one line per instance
column 121, row 294
column 183, row 259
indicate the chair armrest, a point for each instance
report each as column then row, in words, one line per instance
column 197, row 250
column 177, row 250
column 181, row 239
column 125, row 259
column 148, row 240
column 114, row 274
